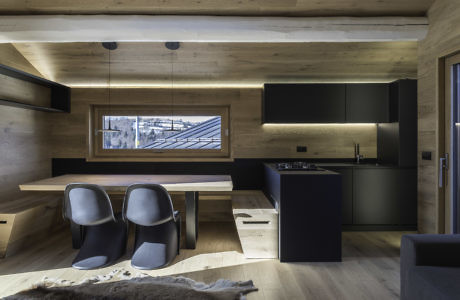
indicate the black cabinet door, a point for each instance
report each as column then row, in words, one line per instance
column 367, row 103
column 384, row 196
column 304, row 103
column 347, row 193
column 408, row 196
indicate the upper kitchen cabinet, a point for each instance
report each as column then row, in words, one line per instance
column 304, row 103
column 367, row 103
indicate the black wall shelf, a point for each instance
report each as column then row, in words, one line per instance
column 60, row 94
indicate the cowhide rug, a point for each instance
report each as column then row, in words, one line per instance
column 137, row 287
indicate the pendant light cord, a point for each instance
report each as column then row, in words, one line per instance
column 172, row 90
column 110, row 80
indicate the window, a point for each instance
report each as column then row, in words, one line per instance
column 155, row 132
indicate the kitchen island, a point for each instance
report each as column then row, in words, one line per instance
column 309, row 207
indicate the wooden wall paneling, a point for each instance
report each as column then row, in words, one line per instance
column 24, row 150
column 249, row 138
column 443, row 39
column 221, row 64
column 221, row 7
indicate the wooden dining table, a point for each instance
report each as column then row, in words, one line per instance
column 116, row 184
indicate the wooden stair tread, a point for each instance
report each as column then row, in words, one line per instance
column 26, row 202
column 252, row 201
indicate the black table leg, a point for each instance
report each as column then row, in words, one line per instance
column 77, row 235
column 191, row 219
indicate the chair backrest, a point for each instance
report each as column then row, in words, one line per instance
column 147, row 205
column 87, row 204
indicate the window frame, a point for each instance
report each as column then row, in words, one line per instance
column 95, row 145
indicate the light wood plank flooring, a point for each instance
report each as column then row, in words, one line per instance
column 370, row 267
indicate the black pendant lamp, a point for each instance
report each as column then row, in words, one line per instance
column 172, row 46
column 110, row 46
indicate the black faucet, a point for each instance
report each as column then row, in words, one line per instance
column 357, row 155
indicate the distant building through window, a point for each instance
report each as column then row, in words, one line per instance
column 163, row 132
column 156, row 132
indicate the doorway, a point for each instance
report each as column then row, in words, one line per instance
column 449, row 164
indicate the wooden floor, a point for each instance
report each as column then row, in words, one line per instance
column 370, row 267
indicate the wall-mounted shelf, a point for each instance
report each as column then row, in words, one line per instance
column 60, row 94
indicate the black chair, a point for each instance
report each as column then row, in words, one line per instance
column 157, row 225
column 104, row 234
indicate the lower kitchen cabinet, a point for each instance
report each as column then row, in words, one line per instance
column 347, row 193
column 384, row 196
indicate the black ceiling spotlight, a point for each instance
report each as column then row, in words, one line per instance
column 110, row 45
column 172, row 45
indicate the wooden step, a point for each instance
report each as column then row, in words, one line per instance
column 27, row 220
column 257, row 225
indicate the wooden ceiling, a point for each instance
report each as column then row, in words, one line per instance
column 221, row 7
column 139, row 64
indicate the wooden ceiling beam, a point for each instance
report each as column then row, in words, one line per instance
column 137, row 28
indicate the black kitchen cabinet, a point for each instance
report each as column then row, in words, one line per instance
column 309, row 207
column 384, row 196
column 367, row 103
column 304, row 103
column 397, row 141
column 347, row 193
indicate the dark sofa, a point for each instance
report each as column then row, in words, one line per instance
column 430, row 266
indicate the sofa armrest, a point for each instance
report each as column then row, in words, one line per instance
column 431, row 250
column 427, row 250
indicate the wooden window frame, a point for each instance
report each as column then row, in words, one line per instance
column 97, row 153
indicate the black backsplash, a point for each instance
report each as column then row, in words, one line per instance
column 247, row 173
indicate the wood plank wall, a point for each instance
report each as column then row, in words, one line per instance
column 443, row 39
column 24, row 134
column 249, row 138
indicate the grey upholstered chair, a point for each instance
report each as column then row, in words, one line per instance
column 157, row 234
column 104, row 234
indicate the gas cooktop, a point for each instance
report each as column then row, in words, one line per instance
column 296, row 166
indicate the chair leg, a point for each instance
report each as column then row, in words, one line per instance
column 178, row 226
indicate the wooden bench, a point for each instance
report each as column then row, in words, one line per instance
column 257, row 224
column 27, row 219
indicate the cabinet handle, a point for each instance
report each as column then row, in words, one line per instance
column 3, row 222
column 256, row 222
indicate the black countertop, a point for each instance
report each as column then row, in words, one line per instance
column 320, row 171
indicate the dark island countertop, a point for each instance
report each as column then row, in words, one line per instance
column 320, row 171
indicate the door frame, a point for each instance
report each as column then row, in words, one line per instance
column 445, row 93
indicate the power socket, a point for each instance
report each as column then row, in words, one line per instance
column 301, row 148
